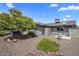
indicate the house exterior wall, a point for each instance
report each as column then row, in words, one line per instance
column 61, row 29
column 50, row 30
column 47, row 31
column 53, row 29
column 65, row 30
column 40, row 28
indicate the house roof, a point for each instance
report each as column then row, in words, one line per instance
column 66, row 23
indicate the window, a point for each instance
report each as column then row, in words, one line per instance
column 59, row 29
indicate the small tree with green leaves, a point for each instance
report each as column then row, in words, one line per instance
column 14, row 20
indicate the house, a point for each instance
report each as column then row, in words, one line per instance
column 56, row 27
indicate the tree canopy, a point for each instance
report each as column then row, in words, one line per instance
column 14, row 20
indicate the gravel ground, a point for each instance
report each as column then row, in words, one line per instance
column 69, row 47
column 19, row 48
column 22, row 47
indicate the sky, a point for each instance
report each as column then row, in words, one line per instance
column 45, row 12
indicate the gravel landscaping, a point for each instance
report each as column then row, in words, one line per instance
column 28, row 47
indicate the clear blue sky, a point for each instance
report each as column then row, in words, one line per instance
column 46, row 12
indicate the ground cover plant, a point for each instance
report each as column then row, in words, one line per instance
column 47, row 45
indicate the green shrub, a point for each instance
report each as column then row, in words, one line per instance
column 31, row 34
column 47, row 45
column 3, row 33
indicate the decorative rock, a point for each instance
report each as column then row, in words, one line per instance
column 37, row 54
column 8, row 40
column 56, row 53
column 42, row 54
column 34, row 53
column 14, row 40
column 49, row 53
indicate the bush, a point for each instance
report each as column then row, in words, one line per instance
column 31, row 34
column 3, row 33
column 47, row 45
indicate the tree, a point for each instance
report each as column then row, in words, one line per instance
column 5, row 22
column 15, row 12
column 15, row 21
column 22, row 22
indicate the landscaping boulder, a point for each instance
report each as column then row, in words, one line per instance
column 14, row 40
column 8, row 40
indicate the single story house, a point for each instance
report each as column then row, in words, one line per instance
column 56, row 27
